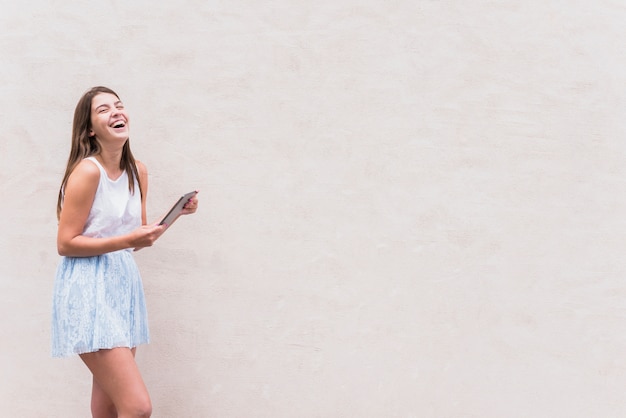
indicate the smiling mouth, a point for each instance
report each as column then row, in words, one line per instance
column 119, row 125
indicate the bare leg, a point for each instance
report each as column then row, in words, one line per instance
column 117, row 383
column 101, row 405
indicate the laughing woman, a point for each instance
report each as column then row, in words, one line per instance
column 99, row 310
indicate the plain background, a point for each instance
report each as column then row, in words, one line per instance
column 408, row 208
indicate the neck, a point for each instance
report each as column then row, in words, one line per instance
column 110, row 160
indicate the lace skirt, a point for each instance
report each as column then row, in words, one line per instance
column 98, row 303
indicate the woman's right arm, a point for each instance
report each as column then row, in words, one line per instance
column 80, row 191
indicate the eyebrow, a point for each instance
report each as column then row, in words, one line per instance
column 119, row 102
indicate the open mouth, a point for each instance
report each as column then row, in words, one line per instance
column 119, row 124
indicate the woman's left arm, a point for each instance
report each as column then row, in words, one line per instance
column 143, row 184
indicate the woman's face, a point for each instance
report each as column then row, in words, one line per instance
column 109, row 121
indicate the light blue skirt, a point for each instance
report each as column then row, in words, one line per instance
column 98, row 303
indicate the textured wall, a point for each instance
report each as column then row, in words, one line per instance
column 409, row 208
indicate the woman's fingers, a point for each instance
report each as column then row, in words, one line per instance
column 191, row 206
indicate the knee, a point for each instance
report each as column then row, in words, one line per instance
column 138, row 409
column 143, row 409
column 103, row 409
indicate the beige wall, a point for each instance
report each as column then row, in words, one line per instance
column 409, row 208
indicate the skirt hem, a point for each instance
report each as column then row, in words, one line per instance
column 93, row 350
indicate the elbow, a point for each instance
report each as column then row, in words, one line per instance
column 62, row 248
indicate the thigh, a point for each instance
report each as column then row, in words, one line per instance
column 101, row 405
column 117, row 375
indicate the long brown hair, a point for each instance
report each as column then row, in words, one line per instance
column 84, row 145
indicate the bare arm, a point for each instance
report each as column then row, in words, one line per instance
column 143, row 182
column 80, row 191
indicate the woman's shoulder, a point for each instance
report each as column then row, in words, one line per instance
column 86, row 170
column 141, row 167
column 142, row 170
column 85, row 176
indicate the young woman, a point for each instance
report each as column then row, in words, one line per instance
column 99, row 309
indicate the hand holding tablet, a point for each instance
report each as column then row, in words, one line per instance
column 176, row 210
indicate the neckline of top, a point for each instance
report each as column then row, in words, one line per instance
column 103, row 171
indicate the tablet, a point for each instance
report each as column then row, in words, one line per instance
column 177, row 208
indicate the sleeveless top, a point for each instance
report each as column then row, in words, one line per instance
column 115, row 209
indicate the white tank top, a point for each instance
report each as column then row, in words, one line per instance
column 115, row 210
